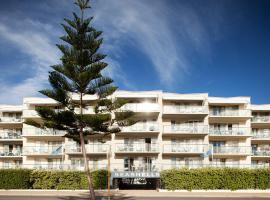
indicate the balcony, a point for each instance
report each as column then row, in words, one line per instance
column 189, row 149
column 261, row 152
column 235, row 132
column 260, row 121
column 42, row 133
column 30, row 114
column 89, row 110
column 51, row 151
column 184, row 111
column 10, row 120
column 141, row 108
column 90, row 149
column 260, row 136
column 136, row 148
column 227, row 151
column 142, row 128
column 219, row 116
column 10, row 136
column 11, row 154
column 184, row 129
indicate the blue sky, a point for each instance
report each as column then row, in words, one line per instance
column 217, row 46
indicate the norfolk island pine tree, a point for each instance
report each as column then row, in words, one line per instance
column 80, row 73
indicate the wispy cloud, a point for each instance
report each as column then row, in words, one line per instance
column 165, row 35
column 34, row 42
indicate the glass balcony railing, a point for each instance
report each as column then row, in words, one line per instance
column 185, row 129
column 10, row 119
column 141, row 107
column 141, row 127
column 260, row 119
column 235, row 131
column 177, row 109
column 261, row 135
column 185, row 148
column 30, row 114
column 41, row 132
column 137, row 147
column 232, row 150
column 90, row 148
column 87, row 110
column 230, row 113
column 47, row 150
column 11, row 153
column 10, row 135
column 261, row 152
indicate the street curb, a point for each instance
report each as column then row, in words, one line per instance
column 215, row 191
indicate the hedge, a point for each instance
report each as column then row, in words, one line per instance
column 215, row 178
column 15, row 179
column 174, row 179
column 46, row 179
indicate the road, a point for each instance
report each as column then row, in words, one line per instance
column 128, row 198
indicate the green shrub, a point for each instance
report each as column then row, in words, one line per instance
column 215, row 178
column 15, row 179
column 72, row 180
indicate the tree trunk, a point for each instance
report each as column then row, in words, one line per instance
column 86, row 167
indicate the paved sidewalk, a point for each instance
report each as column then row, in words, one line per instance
column 137, row 193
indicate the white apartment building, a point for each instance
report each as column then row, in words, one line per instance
column 174, row 130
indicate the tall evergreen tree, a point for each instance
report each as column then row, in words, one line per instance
column 80, row 73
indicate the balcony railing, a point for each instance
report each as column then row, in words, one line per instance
column 90, row 148
column 141, row 107
column 230, row 113
column 261, row 135
column 137, row 147
column 178, row 109
column 10, row 119
column 235, row 131
column 10, row 135
column 142, row 127
column 185, row 129
column 48, row 150
column 261, row 152
column 30, row 113
column 11, row 153
column 87, row 110
column 185, row 148
column 232, row 150
column 40, row 132
column 262, row 119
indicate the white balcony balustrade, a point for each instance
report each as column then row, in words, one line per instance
column 137, row 147
column 185, row 129
column 178, row 109
column 10, row 120
column 30, row 114
column 90, row 148
column 43, row 150
column 12, row 153
column 42, row 132
column 260, row 135
column 141, row 127
column 265, row 151
column 260, row 119
column 141, row 107
column 185, row 148
column 245, row 150
column 86, row 111
column 230, row 113
column 10, row 135
column 234, row 131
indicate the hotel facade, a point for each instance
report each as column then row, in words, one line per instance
column 173, row 131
